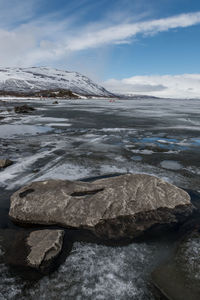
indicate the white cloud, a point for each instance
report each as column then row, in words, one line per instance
column 177, row 86
column 46, row 41
column 122, row 32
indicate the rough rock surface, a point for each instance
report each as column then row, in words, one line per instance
column 5, row 163
column 44, row 246
column 32, row 249
column 112, row 208
column 179, row 279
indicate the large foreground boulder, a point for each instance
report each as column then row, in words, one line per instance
column 112, row 208
column 36, row 249
column 179, row 278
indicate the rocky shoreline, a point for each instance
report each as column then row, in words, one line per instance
column 111, row 210
column 54, row 93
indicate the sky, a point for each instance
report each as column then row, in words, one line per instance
column 129, row 46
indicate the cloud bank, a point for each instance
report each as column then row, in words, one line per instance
column 173, row 86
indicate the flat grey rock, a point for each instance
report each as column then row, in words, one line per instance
column 112, row 208
column 179, row 278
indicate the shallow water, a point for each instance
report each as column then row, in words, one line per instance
column 79, row 139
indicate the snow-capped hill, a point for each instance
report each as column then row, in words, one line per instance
column 36, row 79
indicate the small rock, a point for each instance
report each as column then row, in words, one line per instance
column 23, row 109
column 5, row 163
column 36, row 170
column 55, row 102
column 44, row 245
column 36, row 249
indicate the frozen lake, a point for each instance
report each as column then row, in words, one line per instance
column 81, row 139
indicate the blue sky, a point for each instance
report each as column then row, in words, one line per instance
column 110, row 41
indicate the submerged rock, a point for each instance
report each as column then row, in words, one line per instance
column 33, row 249
column 112, row 208
column 5, row 163
column 179, row 278
column 23, row 109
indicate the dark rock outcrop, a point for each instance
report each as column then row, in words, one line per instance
column 5, row 163
column 23, row 109
column 179, row 278
column 36, row 249
column 112, row 208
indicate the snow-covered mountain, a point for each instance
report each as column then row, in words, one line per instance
column 36, row 79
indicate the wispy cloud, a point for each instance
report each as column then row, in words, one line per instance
column 46, row 40
column 15, row 12
column 122, row 32
column 177, row 86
